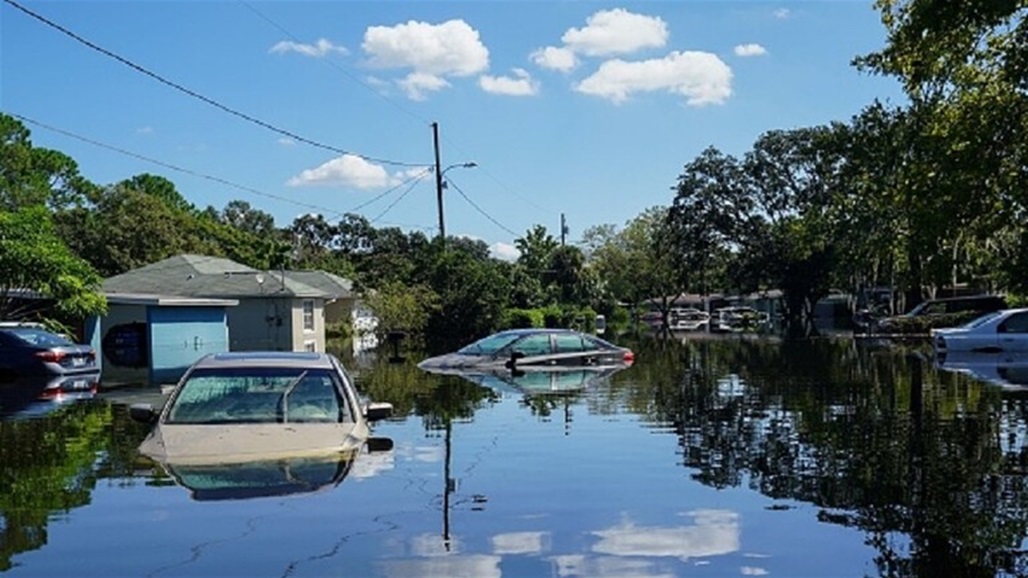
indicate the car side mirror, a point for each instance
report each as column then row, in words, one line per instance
column 379, row 445
column 143, row 413
column 514, row 357
column 378, row 410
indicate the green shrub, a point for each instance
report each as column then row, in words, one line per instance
column 923, row 324
column 553, row 316
column 523, row 318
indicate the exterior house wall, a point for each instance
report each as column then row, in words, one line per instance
column 261, row 324
column 113, row 371
column 310, row 338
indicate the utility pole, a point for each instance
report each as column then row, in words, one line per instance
column 438, row 181
column 563, row 230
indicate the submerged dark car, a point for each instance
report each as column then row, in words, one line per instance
column 527, row 348
column 28, row 349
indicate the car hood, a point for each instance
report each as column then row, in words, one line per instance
column 192, row 444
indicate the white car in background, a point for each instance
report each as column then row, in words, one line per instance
column 1001, row 331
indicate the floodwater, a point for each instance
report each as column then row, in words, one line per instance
column 709, row 457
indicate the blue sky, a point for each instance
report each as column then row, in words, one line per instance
column 587, row 109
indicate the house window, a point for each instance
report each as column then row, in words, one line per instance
column 308, row 315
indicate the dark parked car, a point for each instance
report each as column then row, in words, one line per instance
column 29, row 349
column 526, row 348
column 936, row 313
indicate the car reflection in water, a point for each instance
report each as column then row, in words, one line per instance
column 1006, row 370
column 538, row 380
column 283, row 476
column 36, row 396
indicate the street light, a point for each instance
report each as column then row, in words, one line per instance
column 439, row 186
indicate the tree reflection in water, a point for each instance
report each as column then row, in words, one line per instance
column 930, row 465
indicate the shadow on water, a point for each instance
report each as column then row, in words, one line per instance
column 929, row 464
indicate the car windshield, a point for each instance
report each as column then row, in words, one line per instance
column 490, row 345
column 259, row 395
column 39, row 337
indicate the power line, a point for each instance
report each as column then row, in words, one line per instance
column 400, row 198
column 479, row 209
column 405, row 110
column 198, row 96
column 415, row 178
column 211, row 178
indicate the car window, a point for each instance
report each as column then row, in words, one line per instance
column 259, row 395
column 535, row 344
column 572, row 343
column 981, row 320
column 1016, row 323
column 489, row 345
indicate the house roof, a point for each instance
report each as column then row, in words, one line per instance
column 215, row 277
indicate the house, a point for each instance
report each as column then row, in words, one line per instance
column 262, row 310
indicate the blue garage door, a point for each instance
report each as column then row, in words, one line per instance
column 181, row 335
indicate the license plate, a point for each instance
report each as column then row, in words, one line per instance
column 78, row 361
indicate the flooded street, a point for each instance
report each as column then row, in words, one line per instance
column 708, row 457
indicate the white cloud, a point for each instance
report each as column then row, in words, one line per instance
column 752, row 571
column 555, row 58
column 521, row 543
column 286, row 141
column 504, row 251
column 144, row 130
column 322, row 47
column 616, row 31
column 448, row 49
column 444, row 565
column 701, row 77
column 521, row 84
column 782, row 13
column 416, row 84
column 344, row 171
column 715, row 533
column 750, row 50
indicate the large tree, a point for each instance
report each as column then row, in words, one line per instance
column 964, row 67
column 31, row 175
column 33, row 259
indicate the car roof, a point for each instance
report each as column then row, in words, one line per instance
column 266, row 359
column 16, row 324
column 529, row 330
column 983, row 297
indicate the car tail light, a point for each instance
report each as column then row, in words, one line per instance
column 91, row 355
column 629, row 357
column 51, row 356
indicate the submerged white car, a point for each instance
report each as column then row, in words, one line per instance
column 247, row 406
column 1000, row 331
